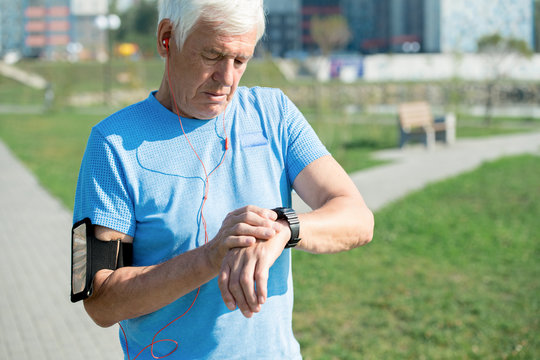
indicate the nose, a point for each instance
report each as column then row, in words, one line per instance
column 224, row 72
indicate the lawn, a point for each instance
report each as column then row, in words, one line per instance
column 74, row 79
column 51, row 145
column 452, row 273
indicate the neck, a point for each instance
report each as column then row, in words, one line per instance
column 164, row 95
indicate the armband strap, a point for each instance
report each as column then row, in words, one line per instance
column 125, row 255
column 104, row 255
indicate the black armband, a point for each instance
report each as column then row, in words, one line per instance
column 89, row 255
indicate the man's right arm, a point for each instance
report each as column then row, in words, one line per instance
column 132, row 291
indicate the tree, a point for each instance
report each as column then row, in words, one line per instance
column 501, row 54
column 330, row 32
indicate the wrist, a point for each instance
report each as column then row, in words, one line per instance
column 211, row 256
column 284, row 231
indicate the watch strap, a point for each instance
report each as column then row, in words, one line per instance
column 291, row 217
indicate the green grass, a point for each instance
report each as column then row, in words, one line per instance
column 12, row 92
column 69, row 79
column 352, row 144
column 352, row 138
column 452, row 273
column 51, row 145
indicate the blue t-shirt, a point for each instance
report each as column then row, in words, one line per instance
column 140, row 176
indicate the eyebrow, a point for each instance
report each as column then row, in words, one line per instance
column 222, row 54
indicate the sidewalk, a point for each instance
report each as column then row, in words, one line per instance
column 37, row 319
column 39, row 322
column 413, row 169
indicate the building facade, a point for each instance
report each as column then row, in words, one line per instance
column 283, row 27
column 11, row 26
column 48, row 27
column 35, row 27
column 464, row 22
column 390, row 26
column 411, row 26
column 45, row 27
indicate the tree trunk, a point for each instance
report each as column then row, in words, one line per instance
column 489, row 104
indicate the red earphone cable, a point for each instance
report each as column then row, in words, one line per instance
column 203, row 220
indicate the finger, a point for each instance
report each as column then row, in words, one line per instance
column 261, row 282
column 265, row 231
column 247, row 281
column 259, row 211
column 236, row 290
column 239, row 241
column 248, row 224
column 223, row 283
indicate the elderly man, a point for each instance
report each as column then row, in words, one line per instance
column 198, row 178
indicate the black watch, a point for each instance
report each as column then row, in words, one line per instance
column 291, row 217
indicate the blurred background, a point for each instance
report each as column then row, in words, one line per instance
column 358, row 59
column 453, row 270
column 347, row 64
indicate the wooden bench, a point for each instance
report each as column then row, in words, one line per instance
column 416, row 122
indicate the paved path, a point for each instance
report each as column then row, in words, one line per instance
column 37, row 320
column 413, row 168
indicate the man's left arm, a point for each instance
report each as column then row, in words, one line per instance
column 340, row 219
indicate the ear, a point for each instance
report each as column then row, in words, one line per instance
column 164, row 34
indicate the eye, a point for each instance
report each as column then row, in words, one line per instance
column 211, row 57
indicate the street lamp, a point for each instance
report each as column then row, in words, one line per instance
column 107, row 23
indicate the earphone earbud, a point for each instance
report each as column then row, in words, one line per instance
column 166, row 43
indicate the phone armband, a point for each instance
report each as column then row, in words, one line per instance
column 89, row 255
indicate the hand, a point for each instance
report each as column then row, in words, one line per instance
column 244, row 272
column 241, row 228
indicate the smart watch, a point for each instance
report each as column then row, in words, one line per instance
column 291, row 217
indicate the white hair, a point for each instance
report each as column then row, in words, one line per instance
column 232, row 17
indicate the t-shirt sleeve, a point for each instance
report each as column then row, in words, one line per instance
column 102, row 192
column 304, row 146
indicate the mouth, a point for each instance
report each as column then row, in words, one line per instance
column 216, row 96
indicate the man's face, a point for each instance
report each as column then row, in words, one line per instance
column 206, row 72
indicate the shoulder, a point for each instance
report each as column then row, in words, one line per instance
column 126, row 118
column 146, row 120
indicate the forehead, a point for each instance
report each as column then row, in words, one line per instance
column 205, row 37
